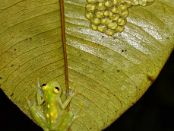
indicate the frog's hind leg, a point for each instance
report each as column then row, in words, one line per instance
column 64, row 121
column 37, row 115
column 39, row 94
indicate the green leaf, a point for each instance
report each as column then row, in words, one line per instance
column 109, row 73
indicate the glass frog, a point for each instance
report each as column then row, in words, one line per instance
column 48, row 110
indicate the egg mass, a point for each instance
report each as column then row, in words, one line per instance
column 110, row 16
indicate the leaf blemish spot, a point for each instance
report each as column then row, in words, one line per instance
column 150, row 78
column 114, row 38
column 118, row 71
column 123, row 50
column 11, row 94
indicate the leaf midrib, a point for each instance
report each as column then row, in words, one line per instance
column 62, row 14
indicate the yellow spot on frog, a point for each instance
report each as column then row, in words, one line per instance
column 47, row 115
column 51, row 114
column 110, row 16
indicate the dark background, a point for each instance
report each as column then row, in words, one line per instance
column 153, row 112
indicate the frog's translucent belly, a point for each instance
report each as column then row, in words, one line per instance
column 52, row 112
column 58, row 119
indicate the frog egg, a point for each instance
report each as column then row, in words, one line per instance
column 109, row 32
column 112, row 25
column 115, row 17
column 114, row 2
column 128, row 4
column 94, row 27
column 99, row 14
column 90, row 7
column 89, row 15
column 141, row 2
column 106, row 13
column 108, row 3
column 110, row 14
column 121, row 21
column 125, row 13
column 101, row 6
column 96, row 21
column 101, row 28
column 122, row 7
column 150, row 0
column 119, row 28
column 107, row 21
column 119, row 11
column 100, row 1
column 114, row 9
column 91, row 1
column 104, row 21
column 136, row 2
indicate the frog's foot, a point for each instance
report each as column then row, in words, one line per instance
column 72, row 92
column 28, row 102
column 46, row 129
column 31, row 103
column 78, row 114
column 37, row 113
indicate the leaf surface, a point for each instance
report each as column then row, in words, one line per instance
column 109, row 73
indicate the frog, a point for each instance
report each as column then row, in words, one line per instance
column 48, row 110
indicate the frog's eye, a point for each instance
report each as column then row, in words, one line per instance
column 43, row 85
column 56, row 89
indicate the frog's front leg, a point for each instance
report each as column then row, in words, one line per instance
column 39, row 94
column 64, row 104
column 38, row 115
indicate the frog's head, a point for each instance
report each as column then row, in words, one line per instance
column 52, row 87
